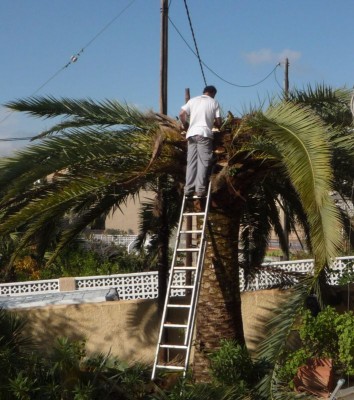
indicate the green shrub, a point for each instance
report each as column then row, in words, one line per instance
column 66, row 373
column 345, row 331
column 318, row 334
column 294, row 360
column 347, row 275
column 328, row 335
column 233, row 366
column 101, row 259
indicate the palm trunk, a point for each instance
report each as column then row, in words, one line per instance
column 219, row 307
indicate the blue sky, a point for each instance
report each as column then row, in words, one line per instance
column 239, row 41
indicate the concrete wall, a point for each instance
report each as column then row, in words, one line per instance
column 129, row 329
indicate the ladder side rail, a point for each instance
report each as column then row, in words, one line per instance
column 206, row 211
column 198, row 272
column 197, row 283
column 170, row 280
column 200, row 262
column 193, row 310
column 194, row 298
column 196, row 286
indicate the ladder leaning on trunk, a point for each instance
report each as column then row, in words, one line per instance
column 178, row 317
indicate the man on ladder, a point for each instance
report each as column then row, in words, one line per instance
column 203, row 113
column 178, row 318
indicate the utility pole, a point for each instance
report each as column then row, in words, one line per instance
column 164, row 56
column 163, row 231
column 286, row 219
column 286, row 79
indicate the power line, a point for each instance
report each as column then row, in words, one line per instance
column 16, row 139
column 195, row 42
column 75, row 57
column 217, row 75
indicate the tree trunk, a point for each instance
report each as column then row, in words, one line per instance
column 162, row 244
column 219, row 307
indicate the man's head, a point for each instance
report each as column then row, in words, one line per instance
column 210, row 91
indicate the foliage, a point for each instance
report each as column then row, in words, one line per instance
column 66, row 373
column 347, row 275
column 327, row 335
column 233, row 366
column 345, row 328
column 233, row 377
column 84, row 259
column 293, row 361
column 188, row 390
column 14, row 346
column 292, row 153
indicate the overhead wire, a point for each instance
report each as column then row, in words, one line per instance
column 216, row 74
column 276, row 80
column 16, row 139
column 195, row 41
column 76, row 56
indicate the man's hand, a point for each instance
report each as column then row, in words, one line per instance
column 184, row 126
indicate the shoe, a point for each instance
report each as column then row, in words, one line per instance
column 188, row 195
column 200, row 194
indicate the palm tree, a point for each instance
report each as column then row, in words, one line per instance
column 110, row 154
column 107, row 151
column 284, row 152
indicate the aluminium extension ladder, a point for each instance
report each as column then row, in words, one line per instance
column 178, row 317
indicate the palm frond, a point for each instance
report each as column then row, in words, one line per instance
column 108, row 112
column 301, row 138
column 332, row 105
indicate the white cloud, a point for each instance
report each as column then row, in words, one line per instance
column 268, row 56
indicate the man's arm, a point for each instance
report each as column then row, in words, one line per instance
column 217, row 122
column 183, row 118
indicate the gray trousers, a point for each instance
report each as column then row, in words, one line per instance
column 199, row 161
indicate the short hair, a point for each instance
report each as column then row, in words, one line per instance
column 210, row 89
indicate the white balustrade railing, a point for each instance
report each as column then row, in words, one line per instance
column 287, row 273
column 29, row 287
column 119, row 240
column 144, row 285
column 129, row 286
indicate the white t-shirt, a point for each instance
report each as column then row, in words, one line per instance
column 202, row 111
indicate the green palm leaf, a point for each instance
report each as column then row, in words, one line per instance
column 302, row 141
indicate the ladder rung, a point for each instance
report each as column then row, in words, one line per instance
column 185, row 268
column 182, row 286
column 189, row 249
column 174, row 346
column 192, row 231
column 175, row 367
column 191, row 214
column 179, row 305
column 167, row 325
column 195, row 197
